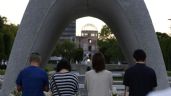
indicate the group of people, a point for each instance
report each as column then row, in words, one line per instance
column 139, row 79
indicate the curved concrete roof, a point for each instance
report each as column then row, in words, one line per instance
column 44, row 20
column 89, row 27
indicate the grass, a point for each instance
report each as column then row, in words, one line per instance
column 169, row 73
column 117, row 78
column 49, row 67
column 2, row 71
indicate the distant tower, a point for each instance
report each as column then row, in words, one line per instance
column 88, row 39
column 69, row 32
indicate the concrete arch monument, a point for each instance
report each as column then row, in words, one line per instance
column 44, row 20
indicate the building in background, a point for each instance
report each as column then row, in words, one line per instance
column 88, row 40
column 69, row 33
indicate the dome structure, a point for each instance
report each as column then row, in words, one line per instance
column 89, row 27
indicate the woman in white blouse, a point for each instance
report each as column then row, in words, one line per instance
column 98, row 81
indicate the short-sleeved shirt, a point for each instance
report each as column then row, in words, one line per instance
column 33, row 81
column 64, row 83
column 140, row 79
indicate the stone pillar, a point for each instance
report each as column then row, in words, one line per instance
column 144, row 34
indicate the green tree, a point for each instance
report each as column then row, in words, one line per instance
column 68, row 48
column 65, row 49
column 1, row 23
column 3, row 20
column 2, row 47
column 109, row 46
column 7, row 35
column 106, row 33
column 58, row 49
column 78, row 54
column 165, row 44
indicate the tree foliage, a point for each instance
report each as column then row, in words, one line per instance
column 68, row 50
column 7, row 35
column 165, row 44
column 78, row 54
column 1, row 23
column 3, row 20
column 109, row 46
column 106, row 33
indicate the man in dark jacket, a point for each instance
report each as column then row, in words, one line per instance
column 139, row 79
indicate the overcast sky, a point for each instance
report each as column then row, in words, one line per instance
column 160, row 11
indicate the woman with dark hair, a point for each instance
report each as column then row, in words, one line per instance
column 98, row 81
column 63, row 82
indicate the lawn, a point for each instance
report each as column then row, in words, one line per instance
column 117, row 78
column 169, row 73
column 49, row 67
column 2, row 71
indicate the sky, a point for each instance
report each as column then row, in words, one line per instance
column 160, row 12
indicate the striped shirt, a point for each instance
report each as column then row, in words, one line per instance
column 65, row 83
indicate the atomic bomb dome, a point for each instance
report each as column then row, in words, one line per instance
column 89, row 27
